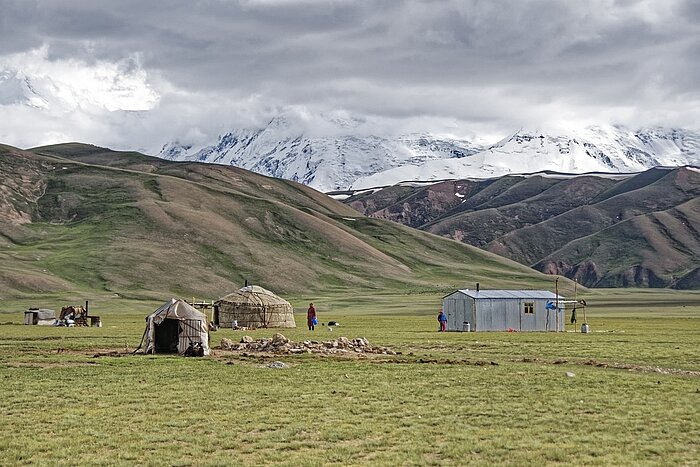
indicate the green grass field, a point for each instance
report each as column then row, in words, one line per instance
column 74, row 396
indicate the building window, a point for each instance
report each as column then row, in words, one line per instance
column 529, row 308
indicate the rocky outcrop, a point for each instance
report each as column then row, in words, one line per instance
column 588, row 274
column 688, row 281
column 585, row 272
column 636, row 276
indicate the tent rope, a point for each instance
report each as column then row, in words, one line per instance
column 140, row 344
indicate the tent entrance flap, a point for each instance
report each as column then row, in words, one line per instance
column 190, row 333
column 167, row 336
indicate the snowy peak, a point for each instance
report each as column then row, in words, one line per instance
column 16, row 88
column 291, row 148
column 57, row 89
column 324, row 162
column 596, row 149
column 639, row 150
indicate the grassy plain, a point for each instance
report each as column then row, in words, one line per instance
column 74, row 395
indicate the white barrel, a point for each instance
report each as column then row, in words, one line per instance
column 585, row 329
column 466, row 327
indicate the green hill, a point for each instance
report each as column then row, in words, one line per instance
column 79, row 217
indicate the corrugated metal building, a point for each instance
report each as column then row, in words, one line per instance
column 501, row 310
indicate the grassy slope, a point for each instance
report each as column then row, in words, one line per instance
column 631, row 184
column 676, row 187
column 534, row 200
column 621, row 231
column 142, row 227
column 665, row 244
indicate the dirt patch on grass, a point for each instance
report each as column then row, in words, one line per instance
column 111, row 353
column 72, row 358
column 614, row 365
column 231, row 357
column 439, row 361
column 94, row 353
column 642, row 368
column 46, row 365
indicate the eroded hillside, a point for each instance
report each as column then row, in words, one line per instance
column 637, row 230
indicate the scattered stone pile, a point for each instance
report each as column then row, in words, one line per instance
column 279, row 344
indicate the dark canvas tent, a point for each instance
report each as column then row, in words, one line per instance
column 174, row 326
column 253, row 306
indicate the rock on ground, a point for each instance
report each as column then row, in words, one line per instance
column 227, row 344
column 277, row 365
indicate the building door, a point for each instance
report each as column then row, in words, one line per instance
column 528, row 320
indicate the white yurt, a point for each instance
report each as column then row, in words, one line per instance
column 174, row 326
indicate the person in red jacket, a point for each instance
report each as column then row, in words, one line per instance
column 311, row 319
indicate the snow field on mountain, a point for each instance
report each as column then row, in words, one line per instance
column 341, row 162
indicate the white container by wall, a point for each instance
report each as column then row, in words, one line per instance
column 466, row 327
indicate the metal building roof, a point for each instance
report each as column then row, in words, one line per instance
column 512, row 294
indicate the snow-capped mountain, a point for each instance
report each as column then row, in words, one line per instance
column 58, row 91
column 16, row 88
column 325, row 163
column 595, row 149
column 339, row 162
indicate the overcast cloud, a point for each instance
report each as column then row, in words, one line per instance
column 135, row 74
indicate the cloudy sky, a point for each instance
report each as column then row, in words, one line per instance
column 136, row 74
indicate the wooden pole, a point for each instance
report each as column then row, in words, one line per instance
column 575, row 300
column 556, row 302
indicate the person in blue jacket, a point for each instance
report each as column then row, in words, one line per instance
column 442, row 319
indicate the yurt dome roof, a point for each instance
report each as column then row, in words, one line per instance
column 254, row 294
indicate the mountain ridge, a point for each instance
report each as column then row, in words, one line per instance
column 637, row 230
column 284, row 149
column 326, row 163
